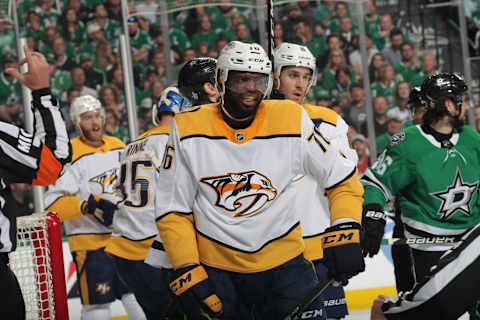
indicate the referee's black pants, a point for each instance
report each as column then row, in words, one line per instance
column 12, row 306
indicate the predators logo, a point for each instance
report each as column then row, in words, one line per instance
column 108, row 180
column 243, row 193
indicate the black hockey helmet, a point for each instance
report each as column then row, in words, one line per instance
column 435, row 89
column 192, row 77
column 415, row 99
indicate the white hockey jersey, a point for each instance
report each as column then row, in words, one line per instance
column 311, row 199
column 226, row 197
column 92, row 171
column 134, row 223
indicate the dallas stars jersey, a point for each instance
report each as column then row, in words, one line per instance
column 311, row 200
column 226, row 197
column 134, row 223
column 92, row 171
column 438, row 187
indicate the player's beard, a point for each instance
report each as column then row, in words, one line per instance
column 91, row 136
column 236, row 109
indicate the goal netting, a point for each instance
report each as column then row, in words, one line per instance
column 38, row 264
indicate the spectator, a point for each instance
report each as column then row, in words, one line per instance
column 62, row 61
column 335, row 60
column 78, row 81
column 140, row 41
column 242, row 33
column 72, row 93
column 429, row 64
column 48, row 15
column 110, row 28
column 347, row 35
column 22, row 199
column 380, row 108
column 148, row 9
column 335, row 106
column 178, row 39
column 110, row 99
column 400, row 109
column 204, row 33
column 277, row 35
column 104, row 59
column 359, row 143
column 308, row 9
column 156, row 88
column 112, row 127
column 325, row 11
column 386, row 85
column 356, row 114
column 94, row 77
column 382, row 36
column 157, row 64
column 307, row 38
column 33, row 27
column 80, row 9
column 356, row 57
column 235, row 19
column 117, row 82
column 392, row 52
column 409, row 67
column 343, row 80
column 374, row 67
column 94, row 36
column 10, row 88
column 72, row 29
column 7, row 38
column 114, row 10
column 333, row 43
column 394, row 125
column 291, row 18
column 60, row 80
column 332, row 23
column 372, row 19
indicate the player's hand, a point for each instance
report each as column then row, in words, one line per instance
column 195, row 292
column 373, row 226
column 37, row 76
column 376, row 312
column 100, row 209
column 342, row 253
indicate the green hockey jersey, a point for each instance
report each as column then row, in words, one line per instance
column 437, row 187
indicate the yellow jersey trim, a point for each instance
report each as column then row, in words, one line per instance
column 313, row 247
column 90, row 241
column 275, row 253
column 346, row 200
column 67, row 207
column 129, row 249
column 317, row 112
column 153, row 131
column 80, row 148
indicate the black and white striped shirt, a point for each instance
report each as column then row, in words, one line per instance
column 36, row 158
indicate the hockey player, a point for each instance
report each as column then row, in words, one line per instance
column 295, row 73
column 84, row 197
column 134, row 227
column 226, row 208
column 434, row 170
column 37, row 158
column 196, row 81
column 449, row 290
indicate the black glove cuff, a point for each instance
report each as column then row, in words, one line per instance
column 37, row 94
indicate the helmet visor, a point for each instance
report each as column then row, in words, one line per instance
column 242, row 82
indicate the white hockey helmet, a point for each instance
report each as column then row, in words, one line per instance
column 293, row 55
column 83, row 104
column 246, row 57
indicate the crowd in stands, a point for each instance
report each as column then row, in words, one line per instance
column 81, row 43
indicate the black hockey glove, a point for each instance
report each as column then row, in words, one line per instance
column 373, row 226
column 100, row 209
column 342, row 253
column 195, row 292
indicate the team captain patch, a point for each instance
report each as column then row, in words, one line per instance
column 397, row 138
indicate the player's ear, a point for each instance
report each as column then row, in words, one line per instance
column 209, row 89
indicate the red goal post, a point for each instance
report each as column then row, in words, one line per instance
column 38, row 264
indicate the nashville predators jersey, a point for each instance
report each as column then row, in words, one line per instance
column 92, row 171
column 134, row 223
column 311, row 199
column 225, row 197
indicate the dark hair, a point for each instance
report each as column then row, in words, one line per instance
column 395, row 32
column 342, row 68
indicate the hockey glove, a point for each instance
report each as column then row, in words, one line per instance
column 342, row 253
column 195, row 292
column 100, row 209
column 373, row 226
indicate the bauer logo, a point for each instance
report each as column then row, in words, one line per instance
column 242, row 193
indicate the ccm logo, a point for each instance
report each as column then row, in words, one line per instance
column 338, row 237
column 311, row 314
column 181, row 282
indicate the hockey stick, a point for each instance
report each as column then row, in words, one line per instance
column 426, row 241
column 309, row 298
column 270, row 26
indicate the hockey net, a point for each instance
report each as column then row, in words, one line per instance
column 38, row 264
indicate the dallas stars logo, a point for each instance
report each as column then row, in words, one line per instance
column 457, row 197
